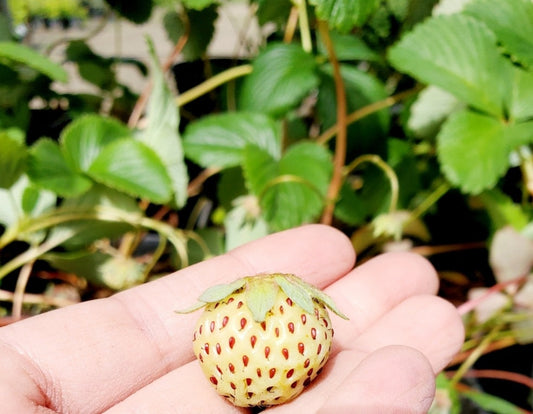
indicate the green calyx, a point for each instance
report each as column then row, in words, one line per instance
column 261, row 292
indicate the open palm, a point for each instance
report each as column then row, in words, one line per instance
column 131, row 353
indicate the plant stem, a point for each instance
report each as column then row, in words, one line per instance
column 365, row 111
column 476, row 353
column 499, row 374
column 212, row 83
column 35, row 299
column 430, row 200
column 18, row 296
column 526, row 167
column 61, row 216
column 342, row 122
column 494, row 346
column 288, row 178
column 471, row 304
column 386, row 168
column 305, row 31
column 32, row 254
column 290, row 27
column 155, row 257
column 195, row 185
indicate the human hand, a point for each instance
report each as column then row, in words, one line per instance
column 131, row 353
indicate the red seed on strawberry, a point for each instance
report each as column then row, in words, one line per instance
column 263, row 324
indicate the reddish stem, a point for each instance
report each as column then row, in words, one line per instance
column 340, row 141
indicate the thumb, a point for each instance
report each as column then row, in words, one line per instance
column 393, row 379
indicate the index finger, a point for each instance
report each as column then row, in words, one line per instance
column 134, row 337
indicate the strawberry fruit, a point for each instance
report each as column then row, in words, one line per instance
column 262, row 339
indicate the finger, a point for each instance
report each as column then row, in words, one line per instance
column 394, row 379
column 429, row 323
column 181, row 391
column 129, row 340
column 424, row 323
column 374, row 288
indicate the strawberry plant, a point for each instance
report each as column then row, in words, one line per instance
column 407, row 124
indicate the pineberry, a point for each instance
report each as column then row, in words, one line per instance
column 262, row 339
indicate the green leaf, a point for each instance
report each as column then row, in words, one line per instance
column 260, row 168
column 212, row 239
column 276, row 11
column 260, row 297
column 431, row 108
column 521, row 96
column 98, row 196
column 230, row 186
column 350, row 208
column 29, row 57
column 132, row 167
column 458, row 54
column 472, row 151
column 83, row 139
column 362, row 88
column 283, row 74
column 162, row 133
column 242, row 224
column 219, row 140
column 137, row 11
column 291, row 192
column 310, row 161
column 519, row 134
column 16, row 204
column 12, row 157
column 446, row 399
column 93, row 68
column 296, row 293
column 503, row 211
column 48, row 168
column 493, row 404
column 201, row 30
column 219, row 292
column 344, row 15
column 198, row 4
column 349, row 47
column 295, row 202
column 512, row 21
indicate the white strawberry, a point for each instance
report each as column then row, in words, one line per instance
column 262, row 339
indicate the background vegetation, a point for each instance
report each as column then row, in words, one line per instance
column 407, row 124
